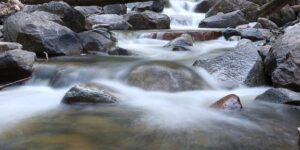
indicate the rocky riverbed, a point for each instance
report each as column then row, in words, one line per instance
column 164, row 74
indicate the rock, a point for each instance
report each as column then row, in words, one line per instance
column 118, row 9
column 89, row 94
column 89, row 10
column 1, row 30
column 242, row 65
column 15, row 65
column 181, row 43
column 115, row 22
column 252, row 34
column 203, row 6
column 39, row 35
column 287, row 74
column 48, row 16
column 119, row 51
column 285, row 15
column 165, row 76
column 72, row 18
column 156, row 6
column 228, row 103
column 229, row 32
column 148, row 20
column 97, row 40
column 6, row 46
column 198, row 35
column 280, row 96
column 267, row 24
column 231, row 20
column 227, row 6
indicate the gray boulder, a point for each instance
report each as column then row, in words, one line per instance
column 89, row 94
column 115, row 22
column 118, row 9
column 252, row 34
column 280, row 95
column 15, row 65
column 240, row 66
column 100, row 40
column 156, row 6
column 165, row 76
column 148, row 20
column 204, row 5
column 6, row 46
column 231, row 20
column 89, row 10
column 39, row 35
column 72, row 18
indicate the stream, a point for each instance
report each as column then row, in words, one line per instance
column 33, row 118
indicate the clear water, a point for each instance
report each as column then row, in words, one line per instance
column 32, row 117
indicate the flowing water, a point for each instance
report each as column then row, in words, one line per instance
column 33, row 118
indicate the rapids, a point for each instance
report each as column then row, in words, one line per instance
column 32, row 116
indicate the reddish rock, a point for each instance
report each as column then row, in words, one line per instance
column 228, row 103
column 197, row 35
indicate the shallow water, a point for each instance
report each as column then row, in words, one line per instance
column 32, row 116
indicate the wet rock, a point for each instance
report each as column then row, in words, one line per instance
column 89, row 94
column 39, row 35
column 72, row 18
column 114, row 21
column 118, row 9
column 242, row 65
column 252, row 34
column 229, row 32
column 204, row 35
column 228, row 103
column 227, row 6
column 97, row 40
column 119, row 51
column 231, row 20
column 89, row 10
column 285, row 44
column 285, row 15
column 165, row 76
column 203, row 6
column 181, row 43
column 267, row 24
column 287, row 74
column 156, row 6
column 280, row 95
column 15, row 65
column 6, row 46
column 148, row 20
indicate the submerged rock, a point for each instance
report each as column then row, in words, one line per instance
column 15, row 65
column 119, row 51
column 181, row 43
column 281, row 96
column 39, row 35
column 231, row 20
column 165, row 76
column 100, row 40
column 89, row 94
column 242, row 65
column 6, row 46
column 230, row 102
column 148, row 20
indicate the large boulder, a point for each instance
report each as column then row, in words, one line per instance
column 240, row 66
column 226, row 6
column 71, row 17
column 89, row 94
column 114, row 21
column 157, row 6
column 6, row 46
column 89, row 10
column 165, row 76
column 231, row 20
column 280, row 95
column 282, row 61
column 148, row 20
column 15, row 65
column 118, row 9
column 285, row 15
column 100, row 40
column 203, row 6
column 39, row 35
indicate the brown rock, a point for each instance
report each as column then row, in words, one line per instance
column 196, row 35
column 6, row 46
column 228, row 103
